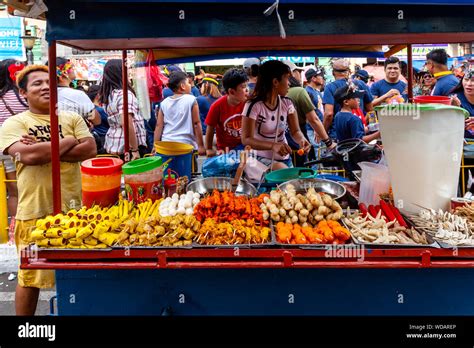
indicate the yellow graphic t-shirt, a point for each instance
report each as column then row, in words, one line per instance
column 35, row 198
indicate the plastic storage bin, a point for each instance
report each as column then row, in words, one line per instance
column 101, row 179
column 423, row 146
column 144, row 179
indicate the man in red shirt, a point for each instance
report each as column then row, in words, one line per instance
column 225, row 115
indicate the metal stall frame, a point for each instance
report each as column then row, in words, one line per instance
column 252, row 37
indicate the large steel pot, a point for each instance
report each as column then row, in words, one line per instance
column 207, row 185
column 332, row 188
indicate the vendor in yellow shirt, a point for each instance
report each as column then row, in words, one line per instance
column 26, row 137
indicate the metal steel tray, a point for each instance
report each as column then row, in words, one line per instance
column 152, row 247
column 431, row 241
column 441, row 244
column 78, row 249
column 449, row 246
column 309, row 246
column 271, row 243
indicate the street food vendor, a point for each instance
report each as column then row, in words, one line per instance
column 27, row 138
column 267, row 115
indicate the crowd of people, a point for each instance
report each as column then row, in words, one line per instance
column 265, row 106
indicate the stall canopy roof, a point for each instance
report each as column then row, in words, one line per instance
column 178, row 30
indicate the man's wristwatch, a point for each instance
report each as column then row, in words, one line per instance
column 327, row 142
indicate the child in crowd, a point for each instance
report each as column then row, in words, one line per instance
column 225, row 115
column 267, row 115
column 348, row 125
column 178, row 118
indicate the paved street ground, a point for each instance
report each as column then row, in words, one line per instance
column 8, row 265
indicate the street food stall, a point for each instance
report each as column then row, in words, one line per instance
column 298, row 250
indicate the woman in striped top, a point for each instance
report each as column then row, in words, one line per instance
column 11, row 103
column 111, row 97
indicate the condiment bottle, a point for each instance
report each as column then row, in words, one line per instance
column 170, row 183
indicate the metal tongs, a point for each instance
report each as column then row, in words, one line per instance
column 240, row 169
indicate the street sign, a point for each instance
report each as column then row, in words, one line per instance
column 11, row 44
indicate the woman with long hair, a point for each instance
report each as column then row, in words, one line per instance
column 209, row 94
column 268, row 114
column 111, row 98
column 11, row 103
column 463, row 96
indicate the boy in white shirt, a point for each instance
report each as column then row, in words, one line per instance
column 178, row 118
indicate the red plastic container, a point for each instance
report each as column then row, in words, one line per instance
column 101, row 178
column 432, row 99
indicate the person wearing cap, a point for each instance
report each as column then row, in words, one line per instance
column 341, row 71
column 251, row 66
column 384, row 91
column 346, row 124
column 295, row 70
column 306, row 113
column 225, row 115
column 362, row 75
column 437, row 64
column 315, row 79
column 209, row 94
column 167, row 92
column 194, row 90
column 27, row 138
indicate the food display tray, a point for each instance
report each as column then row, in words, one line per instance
column 152, row 247
column 431, row 241
column 449, row 246
column 441, row 244
column 270, row 243
column 78, row 249
column 350, row 243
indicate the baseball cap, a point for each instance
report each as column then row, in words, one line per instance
column 172, row 68
column 292, row 66
column 313, row 72
column 348, row 91
column 340, row 65
column 362, row 73
column 251, row 61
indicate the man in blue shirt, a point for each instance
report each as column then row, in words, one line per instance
column 346, row 124
column 437, row 64
column 341, row 71
column 315, row 79
column 384, row 91
column 194, row 90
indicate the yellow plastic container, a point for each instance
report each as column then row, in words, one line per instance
column 171, row 148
